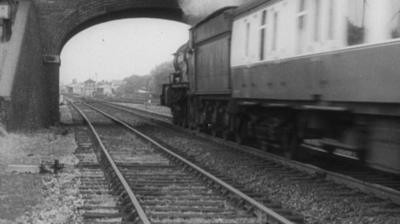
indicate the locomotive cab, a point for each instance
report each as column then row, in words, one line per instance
column 174, row 94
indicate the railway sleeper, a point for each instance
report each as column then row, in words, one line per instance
column 191, row 209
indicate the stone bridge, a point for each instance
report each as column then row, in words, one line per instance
column 29, row 62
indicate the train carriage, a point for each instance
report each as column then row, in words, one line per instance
column 321, row 74
column 333, row 63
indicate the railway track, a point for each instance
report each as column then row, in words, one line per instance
column 380, row 201
column 372, row 181
column 101, row 203
column 158, row 186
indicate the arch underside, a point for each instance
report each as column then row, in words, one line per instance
column 62, row 19
column 74, row 28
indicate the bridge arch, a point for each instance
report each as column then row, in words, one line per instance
column 29, row 93
column 62, row 19
column 64, row 35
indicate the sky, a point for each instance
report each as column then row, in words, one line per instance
column 120, row 48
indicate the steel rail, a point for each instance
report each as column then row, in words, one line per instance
column 157, row 114
column 128, row 109
column 143, row 217
column 269, row 212
column 378, row 190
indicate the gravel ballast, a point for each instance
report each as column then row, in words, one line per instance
column 320, row 201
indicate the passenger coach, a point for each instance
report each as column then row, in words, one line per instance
column 321, row 74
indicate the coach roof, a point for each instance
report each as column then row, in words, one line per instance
column 212, row 15
column 248, row 6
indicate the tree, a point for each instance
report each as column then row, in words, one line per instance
column 152, row 82
column 159, row 76
column 133, row 84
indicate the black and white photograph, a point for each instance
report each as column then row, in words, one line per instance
column 199, row 111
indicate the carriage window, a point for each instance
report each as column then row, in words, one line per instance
column 262, row 34
column 395, row 19
column 264, row 17
column 301, row 26
column 331, row 19
column 356, row 22
column 275, row 34
column 317, row 20
column 247, row 38
column 302, row 5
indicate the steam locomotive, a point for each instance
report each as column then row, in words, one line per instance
column 317, row 74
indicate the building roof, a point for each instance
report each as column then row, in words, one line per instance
column 89, row 81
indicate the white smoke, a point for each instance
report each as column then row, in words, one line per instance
column 202, row 8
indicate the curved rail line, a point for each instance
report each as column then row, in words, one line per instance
column 377, row 189
column 140, row 214
column 267, row 214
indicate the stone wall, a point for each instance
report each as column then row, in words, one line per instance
column 24, row 96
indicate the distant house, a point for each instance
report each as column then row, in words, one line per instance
column 77, row 88
column 74, row 88
column 89, row 88
column 142, row 91
column 70, row 90
column 115, row 84
column 104, row 88
column 64, row 89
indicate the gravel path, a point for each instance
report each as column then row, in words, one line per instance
column 32, row 197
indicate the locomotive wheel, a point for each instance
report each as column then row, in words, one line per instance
column 241, row 135
column 227, row 135
column 239, row 139
column 175, row 121
column 240, row 132
column 186, row 125
column 264, row 146
column 192, row 126
column 289, row 143
column 214, row 132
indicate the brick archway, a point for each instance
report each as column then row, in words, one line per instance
column 30, row 75
column 62, row 19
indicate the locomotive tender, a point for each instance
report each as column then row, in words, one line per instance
column 320, row 74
